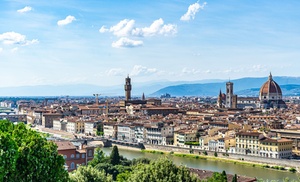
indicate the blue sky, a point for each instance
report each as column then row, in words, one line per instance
column 100, row 42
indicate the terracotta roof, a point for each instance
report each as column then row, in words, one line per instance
column 64, row 145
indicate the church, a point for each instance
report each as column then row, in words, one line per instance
column 270, row 95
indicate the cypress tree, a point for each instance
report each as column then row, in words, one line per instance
column 234, row 179
column 114, row 156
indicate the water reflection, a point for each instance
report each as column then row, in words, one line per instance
column 218, row 166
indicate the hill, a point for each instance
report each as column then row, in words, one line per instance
column 243, row 86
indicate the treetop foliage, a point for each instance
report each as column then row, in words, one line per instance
column 26, row 156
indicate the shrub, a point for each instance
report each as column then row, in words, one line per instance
column 293, row 170
column 216, row 154
column 282, row 168
column 205, row 153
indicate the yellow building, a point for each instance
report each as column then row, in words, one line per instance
column 247, row 143
column 183, row 136
column 229, row 142
column 276, row 148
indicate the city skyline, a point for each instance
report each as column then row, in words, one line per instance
column 101, row 42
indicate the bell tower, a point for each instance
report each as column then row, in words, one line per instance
column 127, row 88
column 229, row 94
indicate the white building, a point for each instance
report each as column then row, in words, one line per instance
column 89, row 128
column 110, row 130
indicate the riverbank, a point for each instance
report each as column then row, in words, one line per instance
column 268, row 162
column 242, row 160
column 223, row 159
column 211, row 165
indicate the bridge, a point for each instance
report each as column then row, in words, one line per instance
column 108, row 142
column 6, row 111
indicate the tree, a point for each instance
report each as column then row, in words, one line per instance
column 8, row 156
column 99, row 157
column 30, row 156
column 162, row 169
column 217, row 177
column 224, row 175
column 216, row 154
column 114, row 156
column 100, row 129
column 234, row 179
column 89, row 174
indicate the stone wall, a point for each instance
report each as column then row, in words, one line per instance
column 269, row 161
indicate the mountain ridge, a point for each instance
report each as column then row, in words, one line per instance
column 242, row 86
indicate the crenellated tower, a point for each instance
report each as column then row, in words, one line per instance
column 127, row 88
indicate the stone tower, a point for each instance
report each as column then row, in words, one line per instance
column 229, row 94
column 219, row 103
column 127, row 88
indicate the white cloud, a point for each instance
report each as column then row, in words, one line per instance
column 139, row 70
column 13, row 38
column 25, row 9
column 69, row 19
column 1, row 49
column 258, row 68
column 192, row 10
column 103, row 29
column 115, row 72
column 123, row 28
column 126, row 42
column 126, row 28
column 190, row 71
column 156, row 28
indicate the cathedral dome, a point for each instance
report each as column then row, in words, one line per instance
column 270, row 88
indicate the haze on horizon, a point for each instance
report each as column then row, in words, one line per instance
column 100, row 42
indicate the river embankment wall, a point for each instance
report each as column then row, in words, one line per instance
column 248, row 158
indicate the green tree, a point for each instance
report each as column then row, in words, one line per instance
column 30, row 156
column 114, row 156
column 216, row 154
column 234, row 179
column 217, row 177
column 100, row 129
column 89, row 174
column 161, row 170
column 99, row 157
column 8, row 156
column 224, row 175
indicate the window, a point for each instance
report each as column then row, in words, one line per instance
column 77, row 156
column 72, row 165
column 90, row 153
column 83, row 156
column 72, row 156
column 65, row 156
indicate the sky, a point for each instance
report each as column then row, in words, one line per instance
column 101, row 42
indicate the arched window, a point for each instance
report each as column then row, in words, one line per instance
column 72, row 165
column 65, row 156
column 72, row 156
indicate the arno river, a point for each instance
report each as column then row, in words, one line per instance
column 230, row 168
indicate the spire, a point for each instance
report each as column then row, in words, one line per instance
column 270, row 76
column 220, row 94
column 143, row 96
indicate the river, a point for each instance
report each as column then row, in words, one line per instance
column 230, row 168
